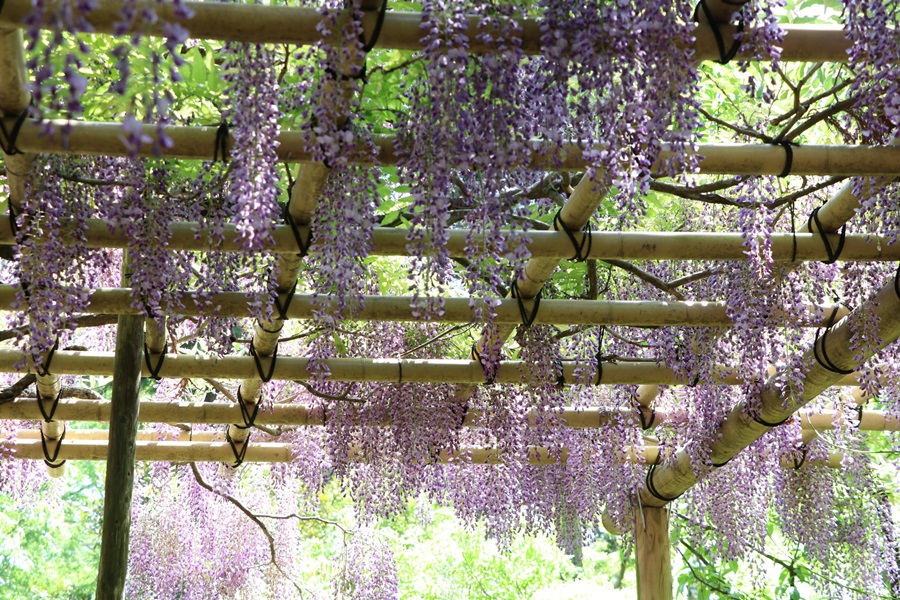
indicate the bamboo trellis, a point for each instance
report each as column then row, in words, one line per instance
column 279, row 24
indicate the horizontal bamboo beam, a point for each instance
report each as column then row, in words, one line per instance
column 401, row 30
column 30, row 449
column 300, row 415
column 388, row 241
column 386, row 370
column 194, row 451
column 93, row 138
column 456, row 310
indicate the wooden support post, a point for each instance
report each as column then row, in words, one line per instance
column 120, row 459
column 652, row 553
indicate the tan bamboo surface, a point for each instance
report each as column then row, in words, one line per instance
column 295, row 25
column 635, row 313
column 155, row 451
column 738, row 431
column 96, row 138
column 93, row 446
column 384, row 370
column 308, row 185
column 14, row 99
column 544, row 244
column 300, row 415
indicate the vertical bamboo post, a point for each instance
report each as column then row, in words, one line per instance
column 652, row 553
column 123, row 426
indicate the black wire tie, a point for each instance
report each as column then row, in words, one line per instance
column 247, row 415
column 833, row 254
column 48, row 415
column 799, row 463
column 50, row 461
column 480, row 359
column 725, row 56
column 238, row 454
column 264, row 377
column 154, row 369
column 302, row 246
column 8, row 141
column 527, row 318
column 651, row 487
column 221, row 144
column 367, row 46
column 44, row 370
column 646, row 423
column 581, row 254
column 823, row 359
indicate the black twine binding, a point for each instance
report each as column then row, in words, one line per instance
column 897, row 282
column 13, row 218
column 154, row 370
column 788, row 154
column 7, row 136
column 264, row 377
column 799, row 463
column 367, row 46
column 725, row 56
column 651, row 487
column 581, row 254
column 302, row 245
column 793, row 236
column 770, row 425
column 238, row 454
column 527, row 318
column 221, row 144
column 50, row 461
column 44, row 369
column 599, row 356
column 722, row 464
column 283, row 308
column 478, row 357
column 646, row 423
column 822, row 358
column 48, row 415
column 833, row 254
column 249, row 416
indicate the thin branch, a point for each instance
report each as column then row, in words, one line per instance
column 465, row 327
column 325, row 396
column 16, row 389
column 313, row 518
column 692, row 278
column 645, row 276
column 234, row 501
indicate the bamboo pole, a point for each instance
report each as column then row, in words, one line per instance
column 300, row 415
column 386, row 370
column 121, row 449
column 155, row 451
column 94, row 446
column 14, row 100
column 457, row 310
column 738, row 430
column 295, row 25
column 308, row 186
column 653, row 562
column 544, row 244
column 95, row 138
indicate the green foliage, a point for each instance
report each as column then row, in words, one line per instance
column 51, row 548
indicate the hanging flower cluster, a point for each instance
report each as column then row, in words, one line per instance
column 487, row 128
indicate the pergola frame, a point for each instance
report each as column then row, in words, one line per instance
column 278, row 24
